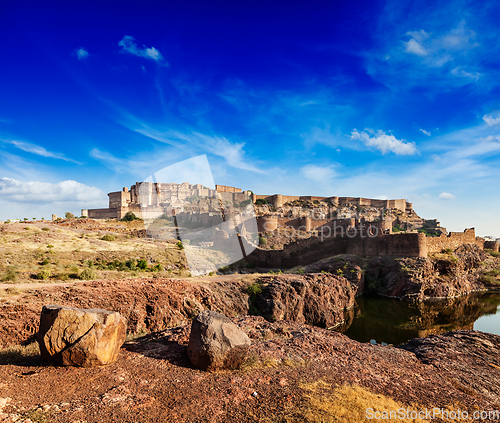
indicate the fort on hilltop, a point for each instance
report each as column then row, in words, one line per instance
column 333, row 225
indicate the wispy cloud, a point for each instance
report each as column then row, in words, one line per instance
column 460, row 72
column 425, row 132
column 386, row 143
column 320, row 174
column 323, row 136
column 414, row 45
column 492, row 119
column 44, row 192
column 442, row 59
column 38, row 150
column 81, row 53
column 446, row 196
column 437, row 50
column 232, row 152
column 128, row 45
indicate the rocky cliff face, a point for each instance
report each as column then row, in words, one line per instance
column 155, row 304
column 443, row 275
column 316, row 299
column 470, row 359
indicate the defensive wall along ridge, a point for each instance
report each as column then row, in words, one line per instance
column 329, row 236
column 308, row 250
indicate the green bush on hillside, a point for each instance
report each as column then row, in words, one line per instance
column 129, row 217
column 88, row 274
column 10, row 275
column 44, row 274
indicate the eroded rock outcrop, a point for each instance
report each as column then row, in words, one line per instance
column 74, row 337
column 317, row 299
column 469, row 358
column 442, row 275
column 216, row 343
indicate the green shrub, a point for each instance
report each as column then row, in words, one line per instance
column 44, row 262
column 261, row 202
column 492, row 253
column 45, row 229
column 69, row 215
column 131, row 264
column 10, row 275
column 142, row 264
column 262, row 240
column 108, row 237
column 129, row 217
column 489, row 279
column 180, row 245
column 44, row 274
column 157, row 268
column 88, row 274
column 254, row 289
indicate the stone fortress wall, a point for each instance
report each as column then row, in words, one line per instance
column 278, row 200
column 330, row 236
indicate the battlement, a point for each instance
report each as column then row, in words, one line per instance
column 279, row 200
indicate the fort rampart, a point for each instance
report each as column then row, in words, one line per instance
column 278, row 200
column 306, row 251
column 453, row 240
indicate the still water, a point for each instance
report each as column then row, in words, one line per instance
column 395, row 322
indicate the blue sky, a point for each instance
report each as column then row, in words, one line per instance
column 392, row 99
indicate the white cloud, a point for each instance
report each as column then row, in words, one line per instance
column 322, row 136
column 44, row 192
column 460, row 72
column 81, row 53
column 321, row 174
column 415, row 47
column 386, row 143
column 36, row 149
column 433, row 57
column 441, row 49
column 492, row 119
column 446, row 196
column 425, row 132
column 128, row 45
column 233, row 153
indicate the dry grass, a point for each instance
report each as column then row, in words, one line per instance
column 18, row 353
column 349, row 404
column 26, row 253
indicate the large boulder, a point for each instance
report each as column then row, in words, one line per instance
column 75, row 337
column 318, row 299
column 216, row 342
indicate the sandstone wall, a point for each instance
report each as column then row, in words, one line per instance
column 491, row 245
column 453, row 240
column 224, row 188
column 103, row 213
column 309, row 250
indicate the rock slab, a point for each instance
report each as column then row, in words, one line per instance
column 216, row 343
column 76, row 337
